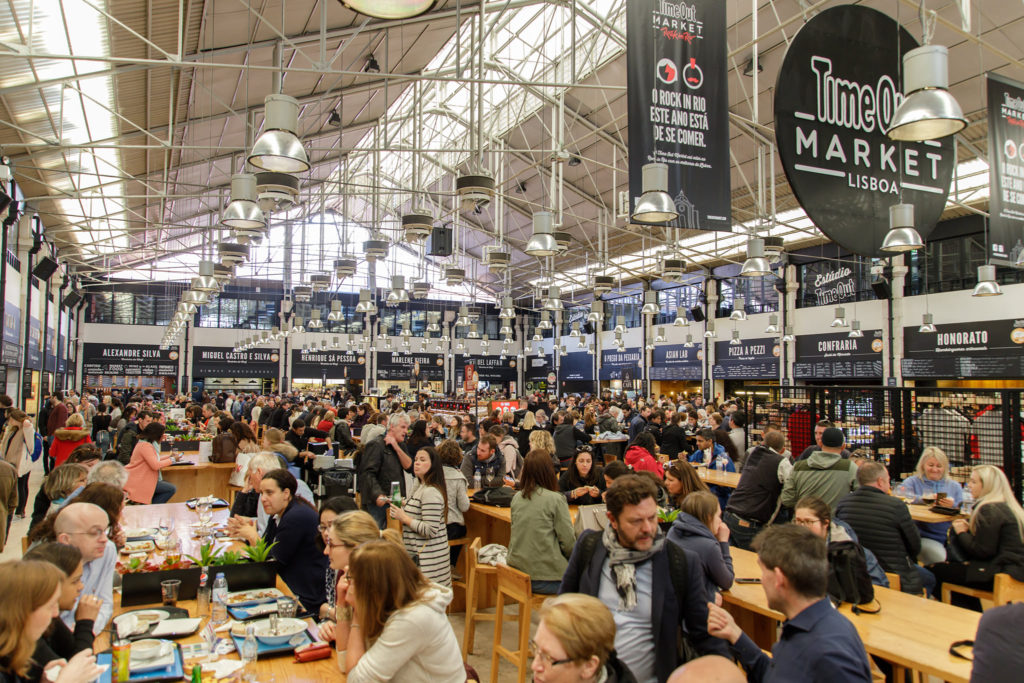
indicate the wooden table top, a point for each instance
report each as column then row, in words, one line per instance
column 622, row 440
column 282, row 667
column 505, row 514
column 922, row 513
column 910, row 630
column 193, row 458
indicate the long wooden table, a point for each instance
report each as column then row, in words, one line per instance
column 910, row 631
column 281, row 667
column 198, row 478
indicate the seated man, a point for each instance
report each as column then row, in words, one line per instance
column 816, row 643
column 247, row 501
column 825, row 474
column 86, row 527
column 487, row 459
column 883, row 525
column 708, row 669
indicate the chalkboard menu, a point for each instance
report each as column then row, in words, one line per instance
column 987, row 349
column 329, row 364
column 750, row 359
column 839, row 356
column 488, row 368
column 129, row 360
column 677, row 362
column 221, row 361
column 407, row 367
column 624, row 365
column 576, row 367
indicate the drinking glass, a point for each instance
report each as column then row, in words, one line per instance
column 205, row 513
column 169, row 591
column 166, row 525
column 286, row 607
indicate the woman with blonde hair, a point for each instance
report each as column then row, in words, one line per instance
column 575, row 642
column 527, row 427
column 541, row 440
column 396, row 628
column 27, row 611
column 991, row 542
column 273, row 441
column 930, row 479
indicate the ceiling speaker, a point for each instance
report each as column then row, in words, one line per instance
column 45, row 268
column 698, row 314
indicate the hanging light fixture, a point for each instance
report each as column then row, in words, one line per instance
column 620, row 325
column 545, row 321
column 756, row 264
column 193, row 297
column 335, row 315
column 366, row 304
column 463, row 319
column 575, row 331
column 277, row 148
column 562, row 351
column 406, row 330
column 660, row 338
column 242, row 212
column 902, row 235
column 840, row 319
column 505, row 331
column 689, row 341
column 537, row 336
column 735, row 341
column 655, row 204
column 773, row 324
column 398, row 293
column 928, row 110
column 650, row 306
column 855, row 330
column 336, row 342
column 542, row 242
column 739, row 311
column 680, row 320
column 297, row 327
column 540, row 352
column 314, row 319
column 508, row 311
column 788, row 336
column 590, row 350
column 302, row 293
column 596, row 314
column 710, row 333
column 927, row 324
column 432, row 319
column 582, row 343
column 987, row 285
column 473, row 333
column 554, row 301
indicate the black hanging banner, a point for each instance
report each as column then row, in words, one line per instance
column 838, row 88
column 1005, row 167
column 493, row 369
column 129, row 360
column 539, row 372
column 576, row 366
column 624, row 365
column 750, row 359
column 992, row 349
column 677, row 362
column 332, row 365
column 679, row 105
column 828, row 283
column 839, row 356
column 221, row 361
column 410, row 367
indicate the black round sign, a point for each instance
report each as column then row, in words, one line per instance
column 838, row 87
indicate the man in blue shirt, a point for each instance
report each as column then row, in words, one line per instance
column 85, row 526
column 816, row 642
column 639, row 422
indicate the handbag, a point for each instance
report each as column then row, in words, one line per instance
column 954, row 553
column 590, row 517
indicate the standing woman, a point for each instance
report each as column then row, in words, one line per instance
column 456, row 487
column 68, row 438
column 27, row 611
column 526, row 427
column 582, row 482
column 673, row 437
column 396, row 629
column 16, row 444
column 931, row 478
column 681, row 480
column 144, row 483
column 992, row 542
column 424, row 516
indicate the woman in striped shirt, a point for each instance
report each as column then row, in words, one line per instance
column 424, row 517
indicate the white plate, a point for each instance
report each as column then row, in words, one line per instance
column 247, row 598
column 139, row 533
column 138, row 547
column 146, row 618
column 161, row 661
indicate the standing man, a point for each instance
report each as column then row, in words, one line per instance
column 654, row 589
column 383, row 462
column 816, row 643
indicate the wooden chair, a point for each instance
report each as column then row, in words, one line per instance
column 463, row 582
column 1007, row 589
column 475, row 574
column 949, row 588
column 894, row 580
column 514, row 585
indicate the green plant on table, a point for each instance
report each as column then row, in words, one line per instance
column 260, row 552
column 208, row 555
column 230, row 557
column 667, row 515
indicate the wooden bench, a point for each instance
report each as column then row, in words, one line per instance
column 1005, row 589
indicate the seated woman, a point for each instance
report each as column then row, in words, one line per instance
column 273, row 442
column 681, row 480
column 396, row 629
column 542, row 535
column 423, row 516
column 224, row 445
column 575, row 639
column 25, row 614
column 144, row 484
column 246, row 446
column 67, row 438
column 112, row 500
column 932, row 478
column 541, row 440
column 815, row 514
column 641, row 455
column 60, row 642
column 582, row 482
column 329, row 511
column 292, row 528
column 699, row 528
column 55, row 489
column 992, row 542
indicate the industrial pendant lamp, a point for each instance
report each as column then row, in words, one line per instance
column 680, row 320
column 545, row 321
column 655, row 204
column 278, row 148
column 661, row 338
column 365, row 304
column 193, row 297
column 855, row 331
column 590, row 350
column 710, row 333
column 650, row 307
column 620, row 325
column 927, row 324
column 756, row 264
column 562, row 351
column 473, row 333
column 689, row 341
column 773, row 324
column 243, row 213
column 596, row 314
column 575, row 331
column 739, row 311
column 432, row 319
column 735, row 341
column 537, row 336
column 542, row 242
column 206, row 282
column 901, row 236
column 583, row 343
column 335, row 315
column 554, row 301
column 928, row 111
column 398, row 293
column 508, row 311
column 315, row 323
column 840, row 319
column 788, row 335
column 987, row 285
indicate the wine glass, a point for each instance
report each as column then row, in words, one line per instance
column 205, row 512
column 903, row 492
column 166, row 525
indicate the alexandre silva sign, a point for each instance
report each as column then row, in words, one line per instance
column 838, row 88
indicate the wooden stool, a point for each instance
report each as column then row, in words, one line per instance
column 515, row 585
column 459, row 583
column 475, row 572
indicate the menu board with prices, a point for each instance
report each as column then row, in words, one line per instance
column 839, row 356
column 750, row 359
column 129, row 360
column 220, row 361
column 677, row 362
column 992, row 349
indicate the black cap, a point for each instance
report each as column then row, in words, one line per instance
column 833, row 438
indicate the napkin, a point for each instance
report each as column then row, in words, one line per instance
column 126, row 625
column 175, row 627
column 223, row 668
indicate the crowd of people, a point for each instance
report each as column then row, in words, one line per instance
column 635, row 599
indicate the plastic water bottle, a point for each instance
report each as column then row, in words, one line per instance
column 720, row 464
column 247, row 653
column 967, row 505
column 476, row 478
column 219, row 614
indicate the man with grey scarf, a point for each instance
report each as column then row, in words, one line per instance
column 635, row 573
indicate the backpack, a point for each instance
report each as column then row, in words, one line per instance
column 848, row 578
column 498, row 496
column 37, row 447
column 511, row 450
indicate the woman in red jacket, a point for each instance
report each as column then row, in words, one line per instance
column 68, row 438
column 640, row 455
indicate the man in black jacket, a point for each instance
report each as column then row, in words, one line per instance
column 755, row 500
column 883, row 525
column 382, row 463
